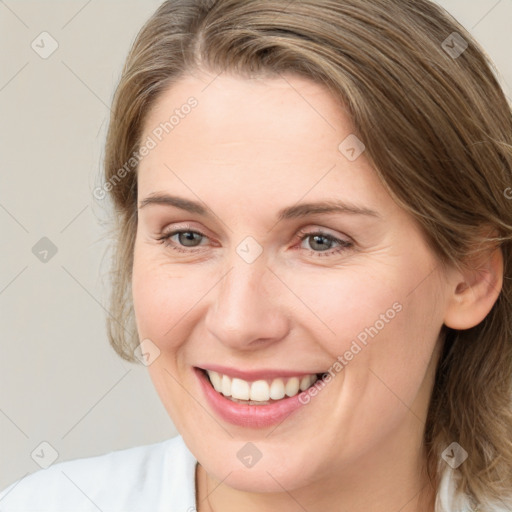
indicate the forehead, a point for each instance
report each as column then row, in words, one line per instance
column 261, row 135
column 231, row 107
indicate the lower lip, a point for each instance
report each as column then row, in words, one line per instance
column 251, row 416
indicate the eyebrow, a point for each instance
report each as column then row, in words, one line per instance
column 290, row 212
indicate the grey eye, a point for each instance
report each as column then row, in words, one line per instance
column 188, row 238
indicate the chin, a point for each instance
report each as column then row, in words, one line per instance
column 266, row 479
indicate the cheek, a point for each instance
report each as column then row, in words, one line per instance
column 392, row 371
column 369, row 304
column 340, row 305
column 378, row 319
column 165, row 297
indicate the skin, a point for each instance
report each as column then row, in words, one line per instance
column 250, row 148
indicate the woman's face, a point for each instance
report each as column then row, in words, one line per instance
column 260, row 286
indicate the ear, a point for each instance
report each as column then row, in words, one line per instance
column 474, row 290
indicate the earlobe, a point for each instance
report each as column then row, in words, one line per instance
column 474, row 290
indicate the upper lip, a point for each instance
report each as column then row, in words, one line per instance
column 253, row 375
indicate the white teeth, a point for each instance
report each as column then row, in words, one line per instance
column 277, row 389
column 216, row 380
column 306, row 381
column 260, row 390
column 226, row 386
column 240, row 389
column 292, row 386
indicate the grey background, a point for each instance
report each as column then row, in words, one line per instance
column 61, row 383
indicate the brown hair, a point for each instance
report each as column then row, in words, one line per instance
column 437, row 128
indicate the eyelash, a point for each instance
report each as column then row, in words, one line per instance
column 302, row 234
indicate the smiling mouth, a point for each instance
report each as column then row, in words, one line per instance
column 260, row 392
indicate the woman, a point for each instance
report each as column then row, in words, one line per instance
column 313, row 260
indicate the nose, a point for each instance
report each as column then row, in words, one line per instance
column 245, row 313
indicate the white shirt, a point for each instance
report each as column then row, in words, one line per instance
column 158, row 477
column 154, row 478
